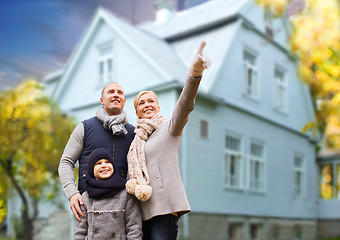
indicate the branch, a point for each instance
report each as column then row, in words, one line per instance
column 8, row 170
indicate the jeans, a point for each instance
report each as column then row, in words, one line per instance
column 164, row 227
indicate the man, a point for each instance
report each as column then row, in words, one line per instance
column 108, row 129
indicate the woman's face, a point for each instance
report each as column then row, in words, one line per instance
column 147, row 106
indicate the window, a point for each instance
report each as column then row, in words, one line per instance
column 254, row 231
column 298, row 176
column 234, row 231
column 297, row 233
column 204, row 129
column 250, row 74
column 275, row 233
column 233, row 162
column 105, row 63
column 281, row 96
column 256, row 165
column 327, row 181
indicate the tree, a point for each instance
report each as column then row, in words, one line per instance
column 315, row 39
column 33, row 134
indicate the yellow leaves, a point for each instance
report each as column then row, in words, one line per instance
column 3, row 210
column 33, row 128
column 334, row 70
column 276, row 7
column 316, row 40
column 320, row 55
column 309, row 126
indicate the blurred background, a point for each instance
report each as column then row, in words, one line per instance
column 259, row 156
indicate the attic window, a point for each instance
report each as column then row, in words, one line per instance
column 105, row 63
column 250, row 73
column 269, row 32
column 281, row 96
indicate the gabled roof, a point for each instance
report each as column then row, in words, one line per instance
column 198, row 18
column 159, row 53
column 155, row 51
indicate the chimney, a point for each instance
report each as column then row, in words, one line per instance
column 164, row 11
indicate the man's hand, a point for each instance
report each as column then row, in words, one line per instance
column 200, row 62
column 75, row 200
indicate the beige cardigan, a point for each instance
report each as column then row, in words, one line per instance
column 161, row 154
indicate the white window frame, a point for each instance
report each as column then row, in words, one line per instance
column 200, row 128
column 250, row 87
column 299, row 191
column 258, row 185
column 236, row 180
column 281, row 86
column 106, row 76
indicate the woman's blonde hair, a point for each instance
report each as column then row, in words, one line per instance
column 135, row 103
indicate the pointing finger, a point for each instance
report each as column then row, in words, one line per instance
column 200, row 49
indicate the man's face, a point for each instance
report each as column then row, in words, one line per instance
column 113, row 99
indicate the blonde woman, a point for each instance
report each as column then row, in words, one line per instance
column 153, row 157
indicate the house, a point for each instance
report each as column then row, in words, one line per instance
column 249, row 171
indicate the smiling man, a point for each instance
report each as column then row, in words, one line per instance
column 109, row 129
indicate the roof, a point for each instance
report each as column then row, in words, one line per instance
column 197, row 18
column 151, row 41
column 159, row 52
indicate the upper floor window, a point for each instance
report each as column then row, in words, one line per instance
column 105, row 63
column 233, row 162
column 204, row 129
column 281, row 96
column 256, row 165
column 250, row 73
column 298, row 176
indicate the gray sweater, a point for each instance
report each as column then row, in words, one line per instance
column 161, row 155
column 117, row 217
column 72, row 152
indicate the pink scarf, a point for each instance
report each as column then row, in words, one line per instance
column 138, row 184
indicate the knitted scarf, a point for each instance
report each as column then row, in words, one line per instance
column 105, row 188
column 139, row 177
column 114, row 123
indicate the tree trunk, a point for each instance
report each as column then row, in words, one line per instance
column 27, row 224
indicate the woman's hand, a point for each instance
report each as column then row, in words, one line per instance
column 200, row 62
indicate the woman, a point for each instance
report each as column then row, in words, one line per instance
column 153, row 157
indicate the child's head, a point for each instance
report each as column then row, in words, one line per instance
column 100, row 164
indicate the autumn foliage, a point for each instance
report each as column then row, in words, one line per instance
column 33, row 134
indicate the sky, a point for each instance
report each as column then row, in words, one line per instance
column 38, row 36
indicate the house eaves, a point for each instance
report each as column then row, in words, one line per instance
column 53, row 76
